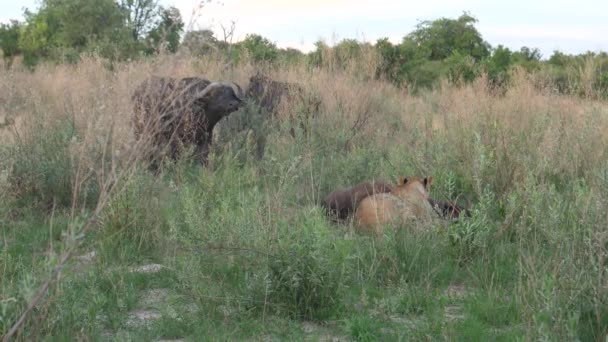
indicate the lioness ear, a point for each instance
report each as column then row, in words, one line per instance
column 401, row 180
column 427, row 181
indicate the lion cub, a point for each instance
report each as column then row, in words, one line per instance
column 407, row 201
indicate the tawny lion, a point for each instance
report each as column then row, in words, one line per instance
column 407, row 202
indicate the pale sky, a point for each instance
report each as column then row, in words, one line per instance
column 568, row 26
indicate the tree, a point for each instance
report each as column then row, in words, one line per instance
column 65, row 28
column 315, row 58
column 528, row 58
column 140, row 16
column 559, row 59
column 346, row 51
column 259, row 48
column 83, row 21
column 461, row 68
column 416, row 69
column 528, row 55
column 200, row 42
column 389, row 60
column 440, row 38
column 38, row 35
column 497, row 66
column 406, row 63
column 9, row 41
column 167, row 32
column 290, row 56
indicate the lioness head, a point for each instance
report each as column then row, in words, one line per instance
column 411, row 186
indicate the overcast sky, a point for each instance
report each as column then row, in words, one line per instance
column 565, row 25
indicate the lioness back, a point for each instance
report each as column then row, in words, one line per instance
column 377, row 210
column 407, row 201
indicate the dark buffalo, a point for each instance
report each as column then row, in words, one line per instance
column 173, row 114
column 341, row 203
column 270, row 95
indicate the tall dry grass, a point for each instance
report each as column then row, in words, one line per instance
column 96, row 98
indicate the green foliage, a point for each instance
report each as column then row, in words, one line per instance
column 390, row 59
column 304, row 272
column 315, row 58
column 134, row 223
column 347, row 50
column 439, row 39
column 471, row 237
column 38, row 36
column 497, row 66
column 140, row 16
column 62, row 30
column 9, row 41
column 414, row 300
column 406, row 64
column 200, row 42
column 461, row 68
column 559, row 59
column 96, row 20
column 454, row 49
column 290, row 57
column 444, row 48
column 528, row 58
column 165, row 36
column 364, row 328
column 69, row 27
column 497, row 309
column 450, row 48
column 259, row 48
column 44, row 173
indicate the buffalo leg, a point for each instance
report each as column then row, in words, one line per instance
column 202, row 151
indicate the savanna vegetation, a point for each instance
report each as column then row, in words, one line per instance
column 95, row 247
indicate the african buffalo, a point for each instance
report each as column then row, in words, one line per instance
column 171, row 114
column 270, row 94
column 341, row 203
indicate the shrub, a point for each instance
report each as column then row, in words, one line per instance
column 44, row 170
column 305, row 272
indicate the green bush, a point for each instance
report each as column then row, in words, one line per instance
column 134, row 215
column 306, row 271
column 44, row 172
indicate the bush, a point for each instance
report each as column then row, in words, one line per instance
column 44, row 169
column 134, row 216
column 305, row 272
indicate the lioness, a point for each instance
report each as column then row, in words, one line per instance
column 407, row 201
column 340, row 204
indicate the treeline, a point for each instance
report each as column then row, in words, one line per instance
column 452, row 49
column 62, row 30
